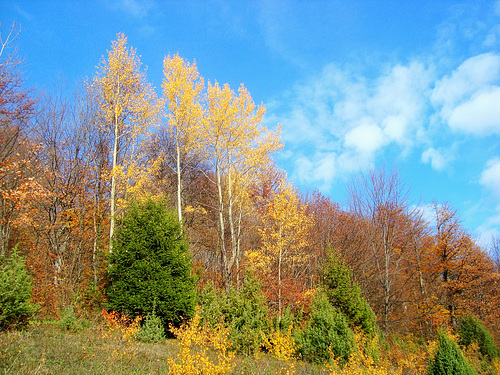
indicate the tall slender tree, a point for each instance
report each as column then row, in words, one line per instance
column 128, row 105
column 182, row 87
column 284, row 238
column 236, row 145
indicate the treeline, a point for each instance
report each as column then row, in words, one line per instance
column 71, row 165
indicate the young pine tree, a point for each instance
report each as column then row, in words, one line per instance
column 327, row 331
column 150, row 268
column 449, row 359
column 345, row 294
column 470, row 330
column 15, row 293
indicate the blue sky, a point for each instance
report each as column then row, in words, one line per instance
column 355, row 84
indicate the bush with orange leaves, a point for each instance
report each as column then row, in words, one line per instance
column 122, row 330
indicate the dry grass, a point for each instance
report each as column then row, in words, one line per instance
column 47, row 349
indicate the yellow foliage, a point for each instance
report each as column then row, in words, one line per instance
column 361, row 361
column 286, row 226
column 117, row 323
column 182, row 87
column 195, row 340
column 495, row 363
column 127, row 102
column 281, row 344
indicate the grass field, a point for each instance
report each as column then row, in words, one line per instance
column 48, row 349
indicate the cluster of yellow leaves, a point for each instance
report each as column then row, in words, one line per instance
column 182, row 87
column 496, row 365
column 482, row 365
column 281, row 344
column 361, row 362
column 285, row 228
column 194, row 356
column 126, row 100
column 196, row 209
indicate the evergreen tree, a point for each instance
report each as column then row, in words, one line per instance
column 243, row 310
column 449, row 359
column 327, row 329
column 15, row 293
column 345, row 295
column 470, row 330
column 150, row 268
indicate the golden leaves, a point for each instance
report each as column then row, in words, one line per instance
column 193, row 357
column 127, row 102
column 285, row 225
column 182, row 88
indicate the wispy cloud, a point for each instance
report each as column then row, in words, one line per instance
column 346, row 119
column 439, row 158
column 490, row 178
column 136, row 8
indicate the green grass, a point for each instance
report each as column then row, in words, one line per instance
column 48, row 349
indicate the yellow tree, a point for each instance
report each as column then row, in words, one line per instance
column 235, row 144
column 284, row 233
column 182, row 87
column 127, row 104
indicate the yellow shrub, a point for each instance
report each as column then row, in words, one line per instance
column 281, row 344
column 120, row 325
column 361, row 361
column 496, row 365
column 193, row 357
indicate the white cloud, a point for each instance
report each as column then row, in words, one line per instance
column 345, row 117
column 467, row 98
column 489, row 229
column 490, row 178
column 480, row 115
column 437, row 158
column 472, row 75
column 366, row 138
column 395, row 127
column 427, row 212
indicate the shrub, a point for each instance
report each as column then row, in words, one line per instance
column 69, row 321
column 244, row 311
column 15, row 293
column 152, row 330
column 195, row 340
column 470, row 330
column 149, row 267
column 449, row 359
column 326, row 332
column 345, row 294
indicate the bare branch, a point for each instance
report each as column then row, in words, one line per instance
column 6, row 42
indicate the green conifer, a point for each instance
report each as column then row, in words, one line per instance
column 150, row 268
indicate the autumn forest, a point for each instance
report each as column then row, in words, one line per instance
column 72, row 164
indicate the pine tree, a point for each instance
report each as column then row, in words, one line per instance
column 345, row 294
column 326, row 331
column 449, row 359
column 150, row 268
column 15, row 293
